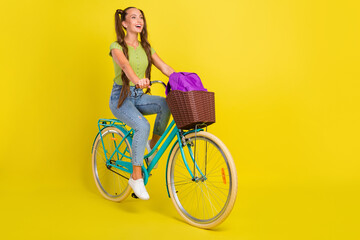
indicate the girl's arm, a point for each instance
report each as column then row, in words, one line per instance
column 163, row 67
column 122, row 61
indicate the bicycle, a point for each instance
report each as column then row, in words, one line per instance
column 201, row 177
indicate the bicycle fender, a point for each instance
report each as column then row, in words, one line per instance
column 167, row 163
column 124, row 131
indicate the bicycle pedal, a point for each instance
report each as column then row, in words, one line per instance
column 134, row 196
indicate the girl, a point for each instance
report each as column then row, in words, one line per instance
column 132, row 60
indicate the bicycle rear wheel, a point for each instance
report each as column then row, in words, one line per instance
column 111, row 182
column 206, row 200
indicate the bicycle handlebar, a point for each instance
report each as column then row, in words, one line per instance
column 152, row 82
column 158, row 81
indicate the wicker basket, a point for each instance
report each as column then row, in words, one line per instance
column 191, row 108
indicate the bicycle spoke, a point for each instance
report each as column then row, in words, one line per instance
column 182, row 183
column 215, row 196
column 184, row 190
column 217, row 187
column 183, row 174
column 212, row 206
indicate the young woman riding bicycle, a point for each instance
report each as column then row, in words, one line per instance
column 132, row 64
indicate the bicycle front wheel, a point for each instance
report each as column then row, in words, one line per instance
column 206, row 199
column 111, row 182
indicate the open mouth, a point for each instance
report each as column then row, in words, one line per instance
column 138, row 26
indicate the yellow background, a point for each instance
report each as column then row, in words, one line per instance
column 286, row 78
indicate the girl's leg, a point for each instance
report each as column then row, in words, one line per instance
column 133, row 118
column 149, row 104
column 130, row 115
column 137, row 173
column 154, row 140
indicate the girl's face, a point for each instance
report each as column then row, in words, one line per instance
column 134, row 21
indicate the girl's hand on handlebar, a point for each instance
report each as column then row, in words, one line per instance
column 143, row 83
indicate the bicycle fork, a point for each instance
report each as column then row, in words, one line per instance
column 185, row 142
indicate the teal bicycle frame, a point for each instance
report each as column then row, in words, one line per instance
column 172, row 131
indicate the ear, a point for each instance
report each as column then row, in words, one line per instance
column 124, row 25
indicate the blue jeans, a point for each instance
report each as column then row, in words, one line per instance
column 131, row 113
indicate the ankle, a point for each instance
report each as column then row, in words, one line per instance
column 152, row 143
column 135, row 177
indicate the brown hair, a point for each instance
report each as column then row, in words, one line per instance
column 125, row 90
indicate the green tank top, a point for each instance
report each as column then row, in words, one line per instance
column 137, row 59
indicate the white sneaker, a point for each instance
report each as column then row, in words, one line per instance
column 139, row 188
column 148, row 148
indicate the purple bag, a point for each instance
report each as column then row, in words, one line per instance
column 184, row 81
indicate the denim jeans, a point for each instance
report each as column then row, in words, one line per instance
column 131, row 113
